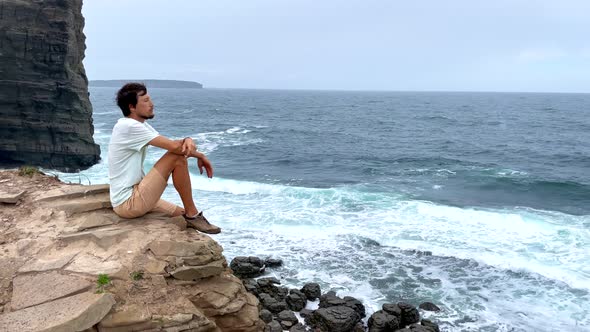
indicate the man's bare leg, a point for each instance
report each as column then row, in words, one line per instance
column 177, row 165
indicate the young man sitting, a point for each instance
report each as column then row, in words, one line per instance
column 133, row 193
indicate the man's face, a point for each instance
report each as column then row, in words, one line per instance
column 144, row 108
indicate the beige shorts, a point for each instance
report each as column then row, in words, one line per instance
column 146, row 198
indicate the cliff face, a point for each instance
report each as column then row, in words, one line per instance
column 45, row 112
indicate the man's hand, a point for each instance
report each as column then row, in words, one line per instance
column 205, row 163
column 188, row 147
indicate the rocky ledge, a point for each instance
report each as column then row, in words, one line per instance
column 70, row 264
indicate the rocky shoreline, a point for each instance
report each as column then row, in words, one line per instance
column 70, row 264
column 322, row 312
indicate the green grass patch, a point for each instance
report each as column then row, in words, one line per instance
column 137, row 275
column 28, row 171
column 102, row 281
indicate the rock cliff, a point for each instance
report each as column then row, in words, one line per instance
column 45, row 113
column 70, row 264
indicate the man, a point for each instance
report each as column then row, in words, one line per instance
column 133, row 193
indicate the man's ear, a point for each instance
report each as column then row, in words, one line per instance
column 131, row 107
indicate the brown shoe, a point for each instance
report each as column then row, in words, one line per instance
column 200, row 223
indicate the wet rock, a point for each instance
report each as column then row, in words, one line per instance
column 298, row 328
column 251, row 286
column 409, row 314
column 247, row 267
column 356, row 305
column 420, row 328
column 273, row 326
column 429, row 323
column 273, row 262
column 287, row 319
column 330, row 300
column 268, row 286
column 393, row 309
column 266, row 316
column 381, row 321
column 296, row 300
column 429, row 306
column 312, row 291
column 305, row 312
column 334, row 319
column 271, row 304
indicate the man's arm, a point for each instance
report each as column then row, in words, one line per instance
column 185, row 147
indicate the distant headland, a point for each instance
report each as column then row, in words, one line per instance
column 148, row 83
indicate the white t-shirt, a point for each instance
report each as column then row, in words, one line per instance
column 127, row 151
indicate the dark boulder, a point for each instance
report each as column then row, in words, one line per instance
column 409, row 314
column 287, row 319
column 330, row 300
column 251, row 286
column 429, row 323
column 393, row 309
column 247, row 267
column 271, row 304
column 420, row 328
column 298, row 328
column 269, row 286
column 381, row 321
column 273, row 326
column 429, row 306
column 334, row 319
column 265, row 315
column 356, row 305
column 273, row 262
column 305, row 313
column 296, row 300
column 312, row 291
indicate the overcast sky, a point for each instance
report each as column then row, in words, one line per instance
column 452, row 45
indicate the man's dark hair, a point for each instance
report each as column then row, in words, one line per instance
column 127, row 95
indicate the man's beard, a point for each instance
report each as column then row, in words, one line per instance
column 147, row 117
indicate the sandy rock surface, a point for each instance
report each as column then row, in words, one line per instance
column 58, row 238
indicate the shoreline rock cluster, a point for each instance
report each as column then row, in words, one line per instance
column 282, row 306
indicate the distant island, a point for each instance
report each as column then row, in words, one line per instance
column 148, row 83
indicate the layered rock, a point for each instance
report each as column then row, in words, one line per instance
column 70, row 264
column 45, row 112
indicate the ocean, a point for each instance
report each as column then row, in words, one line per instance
column 478, row 202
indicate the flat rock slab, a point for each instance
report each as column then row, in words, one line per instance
column 69, row 192
column 105, row 238
column 47, row 264
column 206, row 246
column 30, row 290
column 74, row 313
column 199, row 272
column 10, row 198
column 72, row 206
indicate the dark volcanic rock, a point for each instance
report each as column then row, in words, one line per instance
column 381, row 321
column 298, row 328
column 312, row 291
column 271, row 304
column 273, row 326
column 334, row 319
column 429, row 306
column 45, row 112
column 273, row 262
column 330, row 300
column 296, row 300
column 287, row 319
column 247, row 267
column 392, row 309
column 355, row 305
column 265, row 315
column 409, row 314
column 429, row 323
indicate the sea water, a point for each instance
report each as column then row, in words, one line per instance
column 478, row 202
